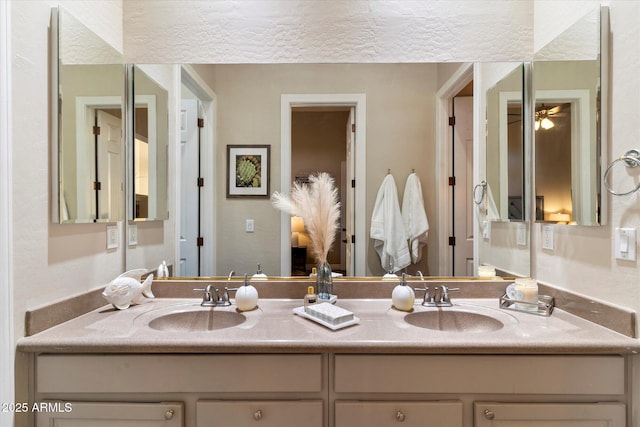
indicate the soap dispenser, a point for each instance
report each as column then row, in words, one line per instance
column 246, row 296
column 403, row 296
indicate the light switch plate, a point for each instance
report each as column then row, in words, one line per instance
column 486, row 230
column 133, row 235
column 112, row 236
column 249, row 226
column 547, row 237
column 625, row 244
column 521, row 236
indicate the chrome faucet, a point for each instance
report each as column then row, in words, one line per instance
column 231, row 273
column 439, row 298
column 211, row 297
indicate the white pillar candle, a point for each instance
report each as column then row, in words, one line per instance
column 529, row 290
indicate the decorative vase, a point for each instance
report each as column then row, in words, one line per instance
column 324, row 281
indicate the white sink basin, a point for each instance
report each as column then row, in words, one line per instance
column 198, row 320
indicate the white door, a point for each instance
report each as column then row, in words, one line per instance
column 550, row 414
column 110, row 166
column 463, row 173
column 189, row 191
column 349, row 222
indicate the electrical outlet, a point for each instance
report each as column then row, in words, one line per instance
column 249, row 226
column 133, row 235
column 547, row 237
column 486, row 230
column 112, row 236
column 625, row 244
column 521, row 234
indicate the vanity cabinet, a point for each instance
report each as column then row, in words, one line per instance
column 338, row 390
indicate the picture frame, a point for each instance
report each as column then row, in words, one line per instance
column 248, row 171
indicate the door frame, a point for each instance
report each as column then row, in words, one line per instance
column 7, row 347
column 444, row 134
column 287, row 103
column 187, row 75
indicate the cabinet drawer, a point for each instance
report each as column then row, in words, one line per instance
column 405, row 414
column 579, row 375
column 246, row 413
column 550, row 414
column 179, row 373
column 116, row 414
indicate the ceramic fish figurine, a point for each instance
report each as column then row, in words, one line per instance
column 126, row 289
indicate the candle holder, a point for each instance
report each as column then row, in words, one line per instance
column 544, row 306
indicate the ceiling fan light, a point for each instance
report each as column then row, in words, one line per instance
column 546, row 123
column 537, row 124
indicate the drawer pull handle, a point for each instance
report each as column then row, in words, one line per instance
column 489, row 414
column 169, row 414
column 257, row 415
column 400, row 417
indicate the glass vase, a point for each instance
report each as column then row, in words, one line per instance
column 324, row 281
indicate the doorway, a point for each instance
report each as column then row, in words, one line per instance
column 456, row 247
column 354, row 229
column 196, row 249
column 319, row 144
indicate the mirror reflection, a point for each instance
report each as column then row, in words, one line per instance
column 149, row 144
column 88, row 176
column 504, row 146
column 566, row 81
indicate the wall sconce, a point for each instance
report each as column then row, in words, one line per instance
column 297, row 227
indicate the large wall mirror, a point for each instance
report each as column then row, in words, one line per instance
column 567, row 83
column 149, row 144
column 87, row 122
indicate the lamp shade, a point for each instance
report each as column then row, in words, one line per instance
column 297, row 224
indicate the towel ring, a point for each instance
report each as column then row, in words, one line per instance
column 631, row 159
column 483, row 191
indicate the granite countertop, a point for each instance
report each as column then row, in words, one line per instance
column 273, row 327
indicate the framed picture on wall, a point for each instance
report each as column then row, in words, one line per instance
column 248, row 170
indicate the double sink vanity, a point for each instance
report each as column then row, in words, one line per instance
column 172, row 362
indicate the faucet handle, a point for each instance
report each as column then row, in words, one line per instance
column 445, row 293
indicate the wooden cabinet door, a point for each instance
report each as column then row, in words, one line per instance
column 257, row 413
column 549, row 414
column 109, row 414
column 403, row 414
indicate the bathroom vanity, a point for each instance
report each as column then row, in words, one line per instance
column 274, row 368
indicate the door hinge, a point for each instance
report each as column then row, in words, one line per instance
column 353, row 238
column 96, row 130
column 97, row 185
column 452, row 180
column 200, row 123
column 200, row 241
column 353, row 183
column 353, row 127
column 452, row 241
column 200, row 182
column 452, row 121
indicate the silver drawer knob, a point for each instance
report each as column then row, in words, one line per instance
column 489, row 414
column 400, row 417
column 257, row 415
column 169, row 414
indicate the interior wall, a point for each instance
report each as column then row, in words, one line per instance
column 400, row 137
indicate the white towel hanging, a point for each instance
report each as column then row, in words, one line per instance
column 414, row 217
column 387, row 228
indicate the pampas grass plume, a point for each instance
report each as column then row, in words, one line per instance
column 317, row 203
